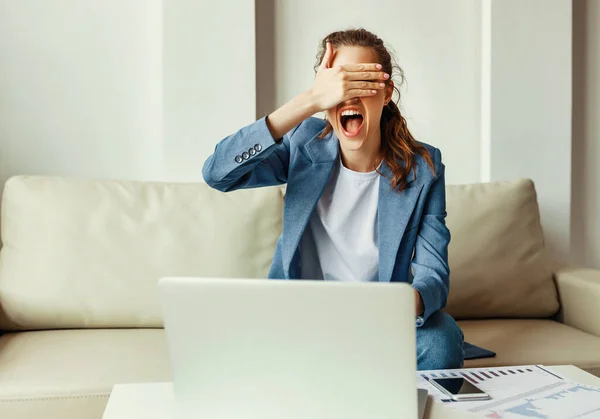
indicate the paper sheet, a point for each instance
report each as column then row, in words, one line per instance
column 521, row 392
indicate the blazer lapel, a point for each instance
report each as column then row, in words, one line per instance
column 393, row 214
column 313, row 170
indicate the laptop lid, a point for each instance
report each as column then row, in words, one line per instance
column 268, row 349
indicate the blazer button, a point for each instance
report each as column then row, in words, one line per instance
column 252, row 152
column 238, row 159
column 245, row 155
column 258, row 147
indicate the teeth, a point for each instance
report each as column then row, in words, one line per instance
column 350, row 112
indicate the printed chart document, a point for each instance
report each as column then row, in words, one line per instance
column 528, row 391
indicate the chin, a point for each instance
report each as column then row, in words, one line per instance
column 350, row 144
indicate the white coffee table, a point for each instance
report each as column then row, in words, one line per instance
column 155, row 400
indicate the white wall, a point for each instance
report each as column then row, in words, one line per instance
column 586, row 134
column 135, row 89
column 530, row 106
column 143, row 89
column 489, row 83
column 208, row 82
column 80, row 88
column 436, row 42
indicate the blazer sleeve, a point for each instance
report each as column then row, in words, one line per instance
column 430, row 262
column 249, row 158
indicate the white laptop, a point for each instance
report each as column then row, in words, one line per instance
column 273, row 349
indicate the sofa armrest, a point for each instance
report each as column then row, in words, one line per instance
column 579, row 294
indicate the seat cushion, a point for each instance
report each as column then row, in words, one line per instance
column 69, row 374
column 498, row 264
column 526, row 342
column 88, row 253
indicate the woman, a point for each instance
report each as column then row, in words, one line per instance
column 365, row 201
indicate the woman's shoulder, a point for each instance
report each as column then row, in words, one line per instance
column 423, row 167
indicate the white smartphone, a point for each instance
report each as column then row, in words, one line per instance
column 459, row 389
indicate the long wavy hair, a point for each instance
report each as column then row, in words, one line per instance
column 398, row 146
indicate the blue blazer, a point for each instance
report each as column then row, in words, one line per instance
column 412, row 234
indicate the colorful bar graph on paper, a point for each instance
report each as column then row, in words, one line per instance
column 480, row 375
column 519, row 391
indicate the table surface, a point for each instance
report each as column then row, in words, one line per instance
column 155, row 400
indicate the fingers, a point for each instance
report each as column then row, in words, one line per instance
column 364, row 85
column 326, row 57
column 363, row 67
column 366, row 75
column 359, row 93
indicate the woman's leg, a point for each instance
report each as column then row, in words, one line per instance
column 439, row 343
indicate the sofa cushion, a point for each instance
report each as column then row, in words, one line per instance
column 498, row 265
column 526, row 342
column 88, row 253
column 70, row 373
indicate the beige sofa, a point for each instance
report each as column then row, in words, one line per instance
column 80, row 260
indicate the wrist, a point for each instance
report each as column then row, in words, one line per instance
column 300, row 108
column 309, row 102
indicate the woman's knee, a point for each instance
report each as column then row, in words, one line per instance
column 440, row 343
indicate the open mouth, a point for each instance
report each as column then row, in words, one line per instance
column 351, row 121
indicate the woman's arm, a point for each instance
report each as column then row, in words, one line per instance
column 291, row 114
column 258, row 154
column 430, row 262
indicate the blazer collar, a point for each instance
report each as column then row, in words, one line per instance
column 394, row 213
column 303, row 194
column 388, row 175
column 325, row 150
column 394, row 210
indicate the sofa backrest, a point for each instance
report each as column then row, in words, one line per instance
column 498, row 265
column 88, row 253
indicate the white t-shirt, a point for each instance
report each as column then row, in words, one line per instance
column 340, row 241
